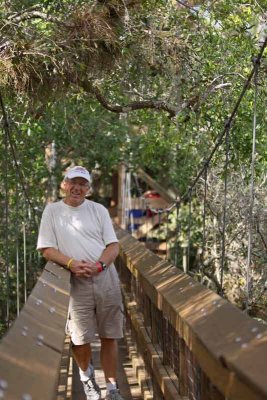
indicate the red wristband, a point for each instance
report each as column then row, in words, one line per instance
column 99, row 266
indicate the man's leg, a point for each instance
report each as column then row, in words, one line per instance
column 109, row 359
column 82, row 355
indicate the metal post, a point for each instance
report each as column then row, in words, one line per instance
column 252, row 194
column 24, row 262
column 17, row 249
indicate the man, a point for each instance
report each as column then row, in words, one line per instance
column 78, row 234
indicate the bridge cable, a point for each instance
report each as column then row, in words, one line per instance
column 24, row 261
column 224, row 135
column 159, row 228
column 17, row 245
column 128, row 206
column 227, row 149
column 229, row 121
column 252, row 192
column 204, row 220
column 167, row 235
column 220, row 137
column 189, row 228
column 177, row 234
column 13, row 152
column 152, row 221
column 20, row 177
column 6, row 218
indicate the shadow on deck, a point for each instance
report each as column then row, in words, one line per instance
column 127, row 381
column 182, row 340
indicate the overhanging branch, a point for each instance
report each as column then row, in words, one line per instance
column 132, row 106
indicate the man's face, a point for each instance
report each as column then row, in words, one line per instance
column 76, row 190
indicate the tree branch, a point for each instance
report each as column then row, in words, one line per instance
column 261, row 236
column 213, row 279
column 136, row 105
column 32, row 14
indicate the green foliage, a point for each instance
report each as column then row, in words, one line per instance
column 194, row 58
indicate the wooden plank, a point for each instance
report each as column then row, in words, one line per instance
column 168, row 195
column 63, row 387
column 165, row 381
column 138, row 367
column 156, row 246
column 249, row 359
column 226, row 342
column 144, row 229
column 121, row 189
column 30, row 353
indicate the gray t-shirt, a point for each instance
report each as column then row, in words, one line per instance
column 81, row 232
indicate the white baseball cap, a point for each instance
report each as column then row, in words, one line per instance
column 77, row 172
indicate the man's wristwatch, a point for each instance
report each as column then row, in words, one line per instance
column 104, row 266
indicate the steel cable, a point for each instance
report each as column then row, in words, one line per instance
column 13, row 152
column 204, row 220
column 252, row 194
column 227, row 148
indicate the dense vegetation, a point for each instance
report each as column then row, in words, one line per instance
column 150, row 83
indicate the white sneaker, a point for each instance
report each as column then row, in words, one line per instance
column 91, row 389
column 113, row 395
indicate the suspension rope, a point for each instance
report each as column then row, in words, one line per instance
column 227, row 148
column 189, row 229
column 128, row 211
column 204, row 219
column 167, row 235
column 230, row 120
column 123, row 201
column 6, row 226
column 252, row 194
column 221, row 136
column 24, row 261
column 13, row 152
column 177, row 235
column 17, row 248
column 160, row 221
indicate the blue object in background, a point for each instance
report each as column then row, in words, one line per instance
column 136, row 213
column 133, row 227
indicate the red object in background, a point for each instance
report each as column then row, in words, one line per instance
column 149, row 213
column 150, row 194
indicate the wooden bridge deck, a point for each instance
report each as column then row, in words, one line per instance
column 127, row 381
column 184, row 341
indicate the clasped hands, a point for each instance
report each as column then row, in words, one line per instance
column 84, row 269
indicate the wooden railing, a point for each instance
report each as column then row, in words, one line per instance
column 194, row 344
column 34, row 350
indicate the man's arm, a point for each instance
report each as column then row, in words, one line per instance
column 108, row 256
column 110, row 253
column 79, row 268
column 82, row 268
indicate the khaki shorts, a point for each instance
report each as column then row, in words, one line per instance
column 95, row 307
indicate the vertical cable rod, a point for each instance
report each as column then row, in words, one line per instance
column 167, row 234
column 252, row 192
column 189, row 228
column 159, row 229
column 177, row 234
column 6, row 219
column 204, row 218
column 227, row 148
column 24, row 262
column 17, row 246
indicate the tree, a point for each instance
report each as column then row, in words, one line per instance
column 147, row 82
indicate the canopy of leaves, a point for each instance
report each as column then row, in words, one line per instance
column 149, row 83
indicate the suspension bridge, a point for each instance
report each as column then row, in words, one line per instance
column 182, row 340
